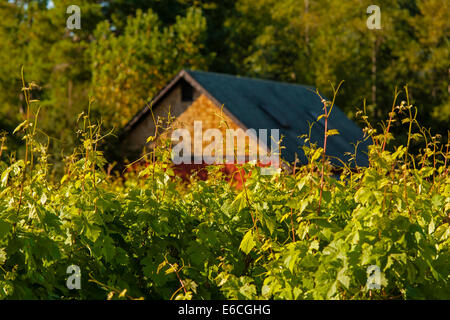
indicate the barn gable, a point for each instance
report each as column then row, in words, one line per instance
column 213, row 117
column 256, row 104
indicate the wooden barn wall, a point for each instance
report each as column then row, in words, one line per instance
column 137, row 137
column 211, row 116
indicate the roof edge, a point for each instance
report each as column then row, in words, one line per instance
column 220, row 105
column 183, row 74
column 155, row 100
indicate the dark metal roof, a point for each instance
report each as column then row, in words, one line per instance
column 264, row 104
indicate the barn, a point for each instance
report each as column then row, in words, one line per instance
column 250, row 105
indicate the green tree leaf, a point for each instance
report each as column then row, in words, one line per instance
column 248, row 242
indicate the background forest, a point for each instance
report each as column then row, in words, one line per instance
column 127, row 50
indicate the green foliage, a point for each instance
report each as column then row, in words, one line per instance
column 122, row 62
column 130, row 68
column 127, row 50
column 305, row 235
column 314, row 42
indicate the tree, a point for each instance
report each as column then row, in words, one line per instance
column 129, row 69
column 53, row 57
column 317, row 42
